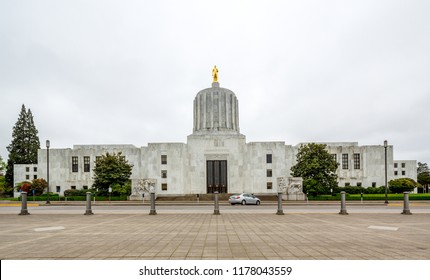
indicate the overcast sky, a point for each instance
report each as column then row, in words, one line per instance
column 127, row 72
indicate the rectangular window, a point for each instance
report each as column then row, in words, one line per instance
column 358, row 184
column 86, row 164
column 395, row 165
column 403, row 165
column 403, row 172
column 269, row 185
column 35, row 169
column 34, row 177
column 27, row 169
column 163, row 159
column 85, row 187
column 395, row 173
column 74, row 164
column 356, row 161
column 347, row 184
column 374, row 184
column 73, row 187
column 344, row 161
column 269, row 172
column 163, row 173
column 27, row 177
column 164, row 187
column 58, row 189
column 268, row 158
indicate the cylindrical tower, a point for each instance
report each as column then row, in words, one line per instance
column 216, row 110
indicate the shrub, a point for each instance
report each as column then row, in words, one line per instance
column 402, row 185
column 71, row 192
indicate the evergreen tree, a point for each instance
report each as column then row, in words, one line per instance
column 317, row 167
column 25, row 143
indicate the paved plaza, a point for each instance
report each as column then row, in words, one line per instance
column 231, row 235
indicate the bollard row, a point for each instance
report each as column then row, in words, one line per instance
column 88, row 211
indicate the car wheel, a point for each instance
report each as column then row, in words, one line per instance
column 243, row 202
column 258, row 202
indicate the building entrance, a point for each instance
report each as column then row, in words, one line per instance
column 216, row 172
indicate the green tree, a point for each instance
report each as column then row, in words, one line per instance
column 2, row 166
column 317, row 167
column 112, row 170
column 423, row 175
column 25, row 143
column 402, row 185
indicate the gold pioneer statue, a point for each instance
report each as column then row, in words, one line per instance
column 215, row 74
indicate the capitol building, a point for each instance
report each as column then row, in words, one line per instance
column 216, row 157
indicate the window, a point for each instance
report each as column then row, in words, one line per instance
column 35, row 169
column 356, row 161
column 27, row 169
column 85, row 187
column 347, row 184
column 396, row 173
column 403, row 172
column 73, row 187
column 269, row 185
column 395, row 165
column 27, row 177
column 58, row 189
column 34, row 177
column 373, row 184
column 163, row 173
column 358, row 184
column 344, row 161
column 269, row 158
column 163, row 159
column 403, row 165
column 74, row 164
column 164, row 187
column 269, row 172
column 86, row 164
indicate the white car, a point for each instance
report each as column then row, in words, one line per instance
column 244, row 198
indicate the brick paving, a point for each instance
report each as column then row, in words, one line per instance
column 180, row 236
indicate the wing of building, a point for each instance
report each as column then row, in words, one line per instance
column 216, row 157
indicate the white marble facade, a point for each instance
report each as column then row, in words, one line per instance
column 215, row 157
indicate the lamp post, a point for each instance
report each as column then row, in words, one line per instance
column 48, row 201
column 386, row 186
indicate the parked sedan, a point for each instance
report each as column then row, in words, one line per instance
column 244, row 198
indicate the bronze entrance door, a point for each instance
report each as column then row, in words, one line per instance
column 216, row 172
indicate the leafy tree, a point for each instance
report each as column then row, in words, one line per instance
column 402, row 185
column 423, row 176
column 25, row 143
column 2, row 166
column 317, row 167
column 38, row 185
column 112, row 170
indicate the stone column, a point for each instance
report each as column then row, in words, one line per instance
column 24, row 210
column 88, row 210
column 406, row 210
column 342, row 204
column 280, row 211
column 216, row 204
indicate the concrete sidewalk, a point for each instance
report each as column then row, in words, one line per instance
column 206, row 236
